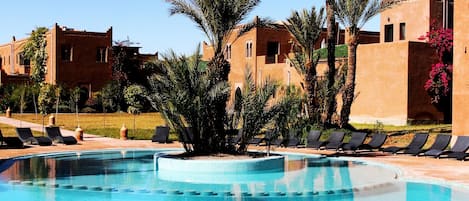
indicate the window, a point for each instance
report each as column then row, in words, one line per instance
column 1, row 62
column 402, row 31
column 249, row 49
column 388, row 33
column 22, row 60
column 101, row 55
column 67, row 53
column 228, row 52
column 273, row 50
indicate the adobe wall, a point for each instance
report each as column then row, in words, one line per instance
column 83, row 70
column 10, row 60
column 381, row 84
column 416, row 15
column 461, row 68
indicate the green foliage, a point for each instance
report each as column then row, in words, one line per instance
column 109, row 96
column 289, row 109
column 46, row 99
column 306, row 28
column 340, row 52
column 134, row 96
column 35, row 51
column 184, row 94
column 217, row 19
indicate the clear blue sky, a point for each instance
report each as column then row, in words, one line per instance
column 144, row 21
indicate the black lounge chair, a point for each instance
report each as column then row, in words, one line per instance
column 1, row 138
column 161, row 134
column 13, row 142
column 55, row 135
column 293, row 139
column 313, row 136
column 458, row 151
column 26, row 135
column 441, row 142
column 357, row 139
column 335, row 139
column 377, row 140
column 271, row 139
column 417, row 143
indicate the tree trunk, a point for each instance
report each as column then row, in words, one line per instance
column 310, row 85
column 349, row 91
column 331, row 42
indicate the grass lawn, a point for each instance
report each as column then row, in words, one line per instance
column 108, row 124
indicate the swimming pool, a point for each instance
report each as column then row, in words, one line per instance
column 118, row 175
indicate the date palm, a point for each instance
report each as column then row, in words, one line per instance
column 331, row 72
column 182, row 92
column 217, row 19
column 306, row 26
column 353, row 15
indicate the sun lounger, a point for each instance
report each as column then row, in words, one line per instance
column 55, row 135
column 26, row 135
column 293, row 139
column 161, row 134
column 13, row 142
column 270, row 139
column 313, row 137
column 357, row 139
column 417, row 143
column 335, row 139
column 458, row 151
column 441, row 142
column 377, row 140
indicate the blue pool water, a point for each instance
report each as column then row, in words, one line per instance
column 125, row 175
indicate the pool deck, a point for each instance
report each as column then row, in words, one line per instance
column 411, row 167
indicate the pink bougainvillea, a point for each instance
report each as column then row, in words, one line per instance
column 439, row 83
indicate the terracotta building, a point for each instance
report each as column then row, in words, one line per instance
column 460, row 72
column 265, row 51
column 391, row 75
column 75, row 58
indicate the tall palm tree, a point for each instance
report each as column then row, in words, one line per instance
column 306, row 26
column 331, row 42
column 353, row 14
column 217, row 19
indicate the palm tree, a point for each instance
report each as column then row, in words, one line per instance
column 217, row 19
column 306, row 26
column 331, row 42
column 353, row 14
column 182, row 92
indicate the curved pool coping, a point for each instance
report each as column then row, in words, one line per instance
column 399, row 170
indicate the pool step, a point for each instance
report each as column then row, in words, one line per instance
column 176, row 192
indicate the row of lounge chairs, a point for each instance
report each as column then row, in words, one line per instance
column 25, row 136
column 357, row 142
column 437, row 149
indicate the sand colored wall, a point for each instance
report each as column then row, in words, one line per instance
column 461, row 68
column 389, row 84
column 416, row 14
column 379, row 98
